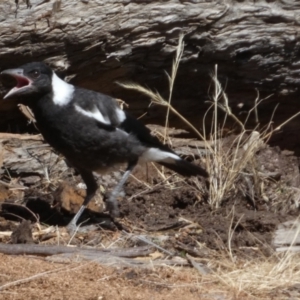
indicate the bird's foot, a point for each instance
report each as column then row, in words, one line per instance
column 72, row 228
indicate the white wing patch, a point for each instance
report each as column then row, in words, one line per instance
column 62, row 91
column 155, row 154
column 120, row 115
column 95, row 114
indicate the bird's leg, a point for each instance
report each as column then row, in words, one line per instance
column 112, row 203
column 91, row 188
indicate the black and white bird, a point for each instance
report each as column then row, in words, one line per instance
column 90, row 130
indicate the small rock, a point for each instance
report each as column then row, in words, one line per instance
column 71, row 198
column 22, row 234
column 4, row 193
column 29, row 180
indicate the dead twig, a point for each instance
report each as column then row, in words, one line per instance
column 25, row 207
column 202, row 269
column 48, row 250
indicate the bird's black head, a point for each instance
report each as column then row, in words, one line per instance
column 32, row 79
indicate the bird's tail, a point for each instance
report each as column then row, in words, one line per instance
column 166, row 157
column 184, row 168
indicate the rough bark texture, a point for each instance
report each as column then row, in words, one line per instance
column 27, row 155
column 94, row 43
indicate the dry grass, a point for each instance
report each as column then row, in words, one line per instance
column 228, row 166
column 258, row 277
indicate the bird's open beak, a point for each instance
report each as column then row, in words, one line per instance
column 23, row 82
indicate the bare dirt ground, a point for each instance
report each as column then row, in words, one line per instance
column 93, row 281
column 199, row 252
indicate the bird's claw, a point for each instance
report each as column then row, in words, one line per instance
column 72, row 228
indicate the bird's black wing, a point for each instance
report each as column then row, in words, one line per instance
column 143, row 133
column 104, row 109
column 181, row 166
column 108, row 114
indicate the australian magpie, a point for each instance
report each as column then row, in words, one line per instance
column 90, row 130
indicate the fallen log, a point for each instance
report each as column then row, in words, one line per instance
column 28, row 155
column 133, row 257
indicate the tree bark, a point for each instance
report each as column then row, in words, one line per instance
column 94, row 43
column 28, row 156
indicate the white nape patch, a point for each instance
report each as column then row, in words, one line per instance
column 154, row 154
column 95, row 113
column 120, row 115
column 62, row 91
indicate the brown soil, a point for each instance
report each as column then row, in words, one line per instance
column 92, row 281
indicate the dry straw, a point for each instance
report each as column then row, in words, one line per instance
column 228, row 166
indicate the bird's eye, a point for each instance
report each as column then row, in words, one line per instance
column 34, row 74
